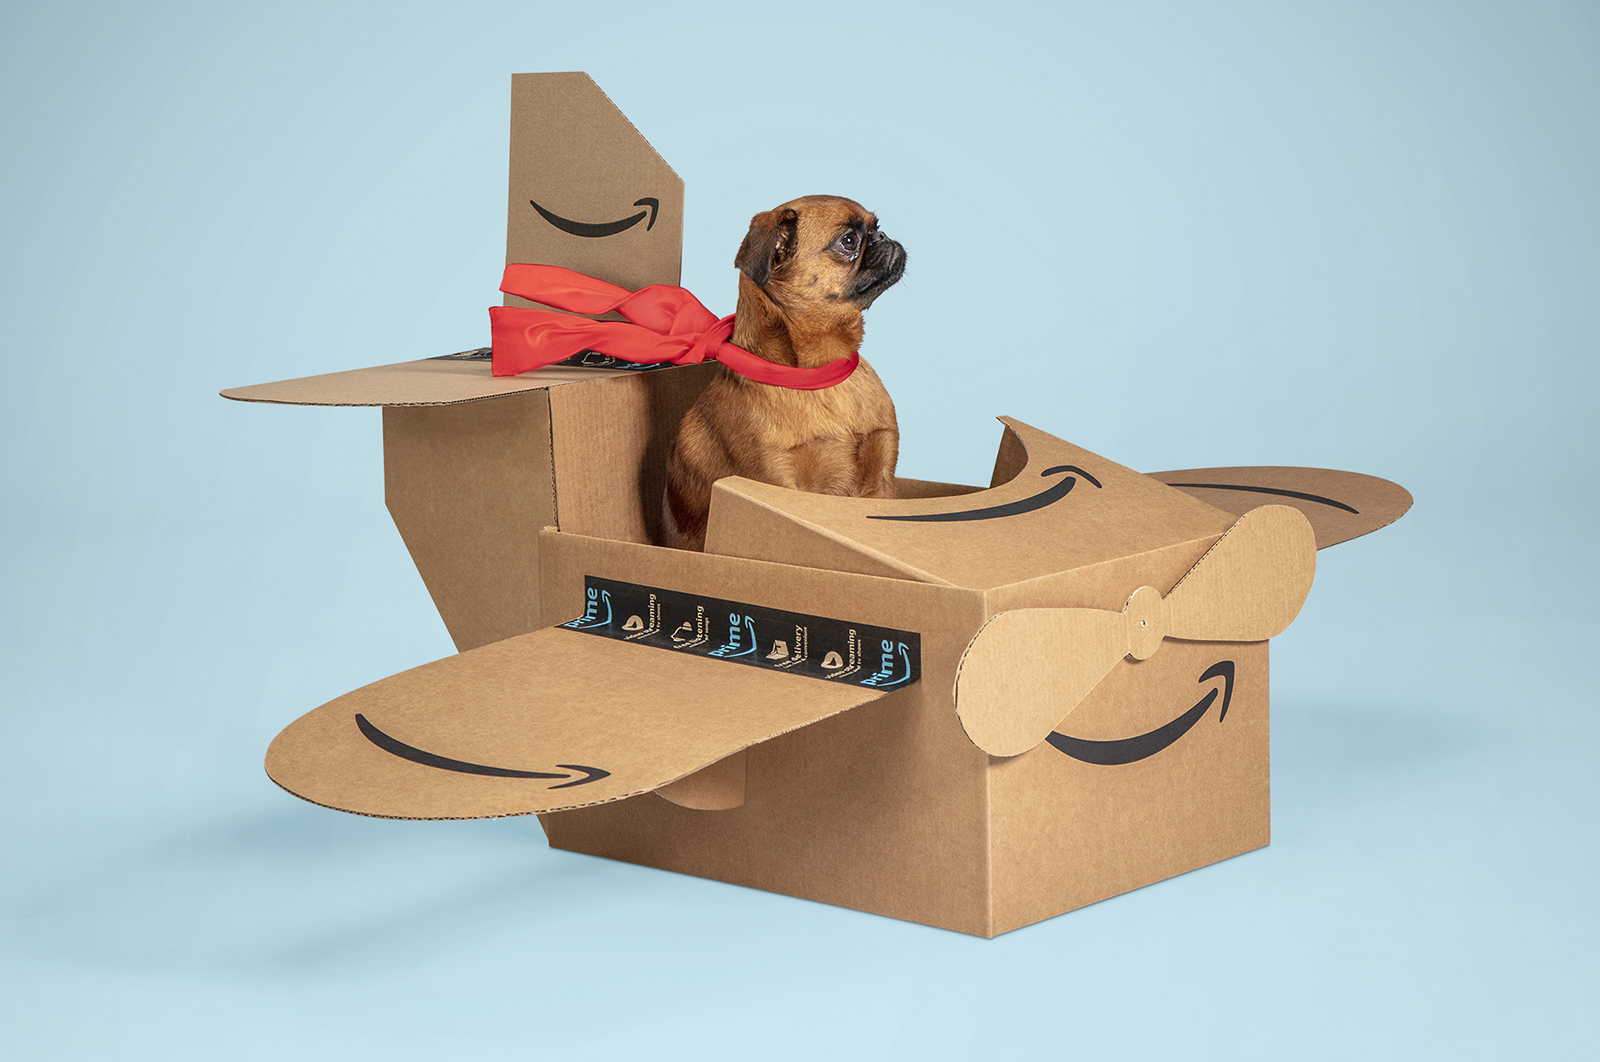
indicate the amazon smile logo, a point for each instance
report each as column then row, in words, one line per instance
column 1131, row 750
column 593, row 231
column 396, row 747
column 1049, row 496
column 1279, row 491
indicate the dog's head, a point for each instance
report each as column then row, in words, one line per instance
column 822, row 248
column 809, row 268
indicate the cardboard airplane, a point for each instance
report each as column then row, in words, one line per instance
column 972, row 708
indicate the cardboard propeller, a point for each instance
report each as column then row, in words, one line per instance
column 1027, row 669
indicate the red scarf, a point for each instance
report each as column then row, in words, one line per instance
column 664, row 323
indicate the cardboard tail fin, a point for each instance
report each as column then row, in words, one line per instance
column 546, row 721
column 587, row 191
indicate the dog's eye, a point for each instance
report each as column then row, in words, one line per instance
column 848, row 241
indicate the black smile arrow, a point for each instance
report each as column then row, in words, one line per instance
column 396, row 747
column 1131, row 750
column 609, row 228
column 1054, row 493
column 1281, row 492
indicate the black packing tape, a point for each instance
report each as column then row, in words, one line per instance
column 590, row 359
column 859, row 654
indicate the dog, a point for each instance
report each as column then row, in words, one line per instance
column 807, row 271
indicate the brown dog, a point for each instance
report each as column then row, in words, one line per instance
column 807, row 270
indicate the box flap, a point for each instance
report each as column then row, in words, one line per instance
column 546, row 721
column 1340, row 505
column 1065, row 508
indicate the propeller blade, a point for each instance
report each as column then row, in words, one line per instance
column 1251, row 584
column 1025, row 671
column 1027, row 668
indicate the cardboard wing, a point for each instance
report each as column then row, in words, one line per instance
column 1340, row 505
column 1054, row 508
column 444, row 381
column 980, row 617
column 547, row 721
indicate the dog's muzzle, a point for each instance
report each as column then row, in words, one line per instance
column 883, row 263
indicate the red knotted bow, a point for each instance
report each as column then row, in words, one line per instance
column 664, row 323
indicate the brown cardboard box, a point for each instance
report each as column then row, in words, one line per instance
column 969, row 708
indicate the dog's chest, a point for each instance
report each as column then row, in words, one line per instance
column 853, row 409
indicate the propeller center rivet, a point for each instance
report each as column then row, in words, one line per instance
column 1144, row 622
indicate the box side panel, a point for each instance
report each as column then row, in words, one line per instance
column 611, row 439
column 881, row 808
column 905, row 487
column 1066, row 832
column 470, row 487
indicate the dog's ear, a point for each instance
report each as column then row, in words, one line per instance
column 768, row 244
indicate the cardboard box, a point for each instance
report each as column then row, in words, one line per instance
column 969, row 708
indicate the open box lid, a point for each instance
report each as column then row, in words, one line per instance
column 547, row 721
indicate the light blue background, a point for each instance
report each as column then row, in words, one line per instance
column 1356, row 235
